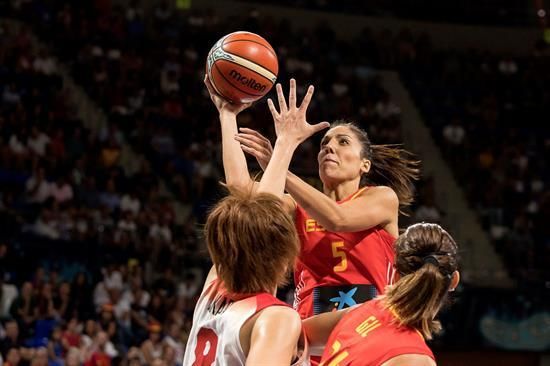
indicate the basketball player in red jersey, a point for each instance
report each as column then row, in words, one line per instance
column 252, row 242
column 391, row 330
column 348, row 230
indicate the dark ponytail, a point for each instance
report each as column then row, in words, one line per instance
column 416, row 299
column 426, row 258
column 394, row 167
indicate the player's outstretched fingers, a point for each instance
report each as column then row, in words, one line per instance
column 307, row 98
column 281, row 97
column 292, row 95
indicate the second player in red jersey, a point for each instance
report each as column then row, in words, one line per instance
column 391, row 330
column 368, row 336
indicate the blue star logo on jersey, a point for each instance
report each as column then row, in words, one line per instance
column 345, row 298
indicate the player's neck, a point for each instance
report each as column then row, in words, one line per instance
column 341, row 190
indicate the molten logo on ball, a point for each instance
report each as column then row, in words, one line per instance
column 242, row 67
column 251, row 83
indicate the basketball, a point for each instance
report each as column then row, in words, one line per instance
column 242, row 67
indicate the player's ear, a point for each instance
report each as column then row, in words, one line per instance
column 365, row 166
column 455, row 280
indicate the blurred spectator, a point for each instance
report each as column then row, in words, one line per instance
column 110, row 198
column 44, row 63
column 23, row 307
column 130, row 202
column 454, row 132
column 188, row 290
column 46, row 225
column 71, row 336
column 41, row 357
column 55, row 348
column 73, row 357
column 428, row 212
column 153, row 347
column 37, row 187
column 38, row 141
column 99, row 355
column 81, row 304
column 11, row 338
column 61, row 190
column 13, row 357
column 8, row 293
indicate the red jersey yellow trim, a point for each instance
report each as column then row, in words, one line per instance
column 357, row 193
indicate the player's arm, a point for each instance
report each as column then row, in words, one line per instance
column 262, row 151
column 410, row 360
column 274, row 337
column 234, row 161
column 319, row 327
column 374, row 206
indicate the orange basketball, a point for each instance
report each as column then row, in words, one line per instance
column 242, row 67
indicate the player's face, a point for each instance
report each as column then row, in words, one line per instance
column 340, row 156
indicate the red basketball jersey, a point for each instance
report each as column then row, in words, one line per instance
column 369, row 336
column 340, row 269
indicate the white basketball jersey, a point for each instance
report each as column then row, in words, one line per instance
column 217, row 321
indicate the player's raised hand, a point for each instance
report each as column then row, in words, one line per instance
column 221, row 104
column 290, row 121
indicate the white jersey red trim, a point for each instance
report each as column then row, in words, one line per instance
column 217, row 321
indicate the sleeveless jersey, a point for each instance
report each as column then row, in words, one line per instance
column 217, row 321
column 340, row 269
column 369, row 336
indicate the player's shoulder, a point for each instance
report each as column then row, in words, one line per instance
column 382, row 192
column 280, row 312
column 272, row 317
column 289, row 203
column 410, row 360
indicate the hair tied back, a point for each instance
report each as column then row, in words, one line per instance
column 430, row 259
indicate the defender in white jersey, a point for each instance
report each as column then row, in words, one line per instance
column 221, row 327
column 238, row 321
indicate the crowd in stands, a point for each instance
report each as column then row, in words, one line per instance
column 483, row 12
column 97, row 266
column 88, row 253
column 488, row 114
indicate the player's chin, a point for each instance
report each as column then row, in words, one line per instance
column 329, row 174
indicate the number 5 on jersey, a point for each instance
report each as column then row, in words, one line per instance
column 338, row 248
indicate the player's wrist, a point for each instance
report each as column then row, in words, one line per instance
column 286, row 143
column 227, row 115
